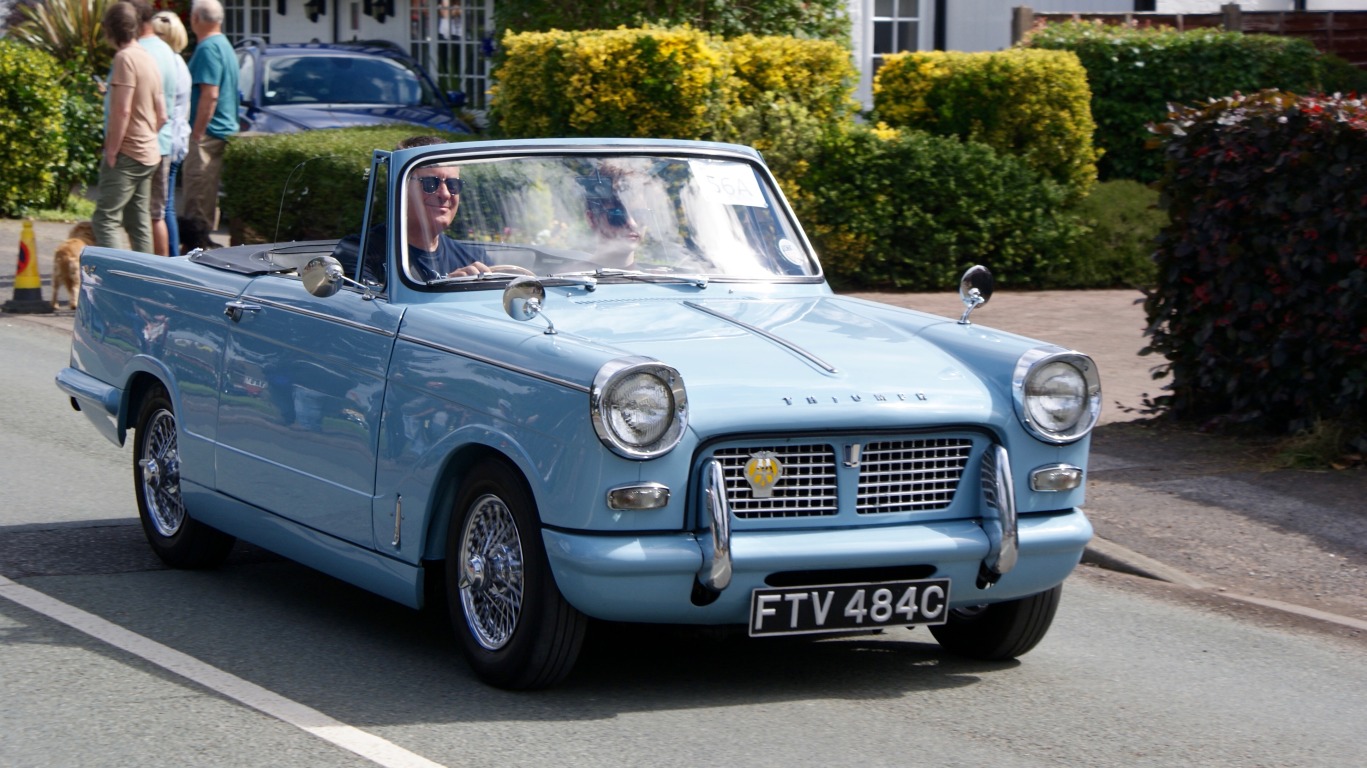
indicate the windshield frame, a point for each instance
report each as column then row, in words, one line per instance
column 466, row 154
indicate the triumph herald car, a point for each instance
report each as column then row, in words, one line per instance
column 556, row 381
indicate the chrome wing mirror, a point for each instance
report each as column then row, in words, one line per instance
column 975, row 288
column 524, row 299
column 323, row 277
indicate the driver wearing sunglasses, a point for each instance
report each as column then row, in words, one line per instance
column 433, row 197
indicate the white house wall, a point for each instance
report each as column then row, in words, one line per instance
column 985, row 25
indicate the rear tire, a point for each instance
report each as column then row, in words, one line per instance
column 999, row 631
column 515, row 628
column 178, row 539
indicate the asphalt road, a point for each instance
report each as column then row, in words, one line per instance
column 1135, row 671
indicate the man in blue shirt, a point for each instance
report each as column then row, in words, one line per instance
column 213, row 110
column 433, row 195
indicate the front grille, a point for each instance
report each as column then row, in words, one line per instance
column 911, row 475
column 919, row 475
column 807, row 488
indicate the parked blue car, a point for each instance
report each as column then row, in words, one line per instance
column 303, row 86
column 592, row 379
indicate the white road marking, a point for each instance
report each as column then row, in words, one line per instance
column 367, row 745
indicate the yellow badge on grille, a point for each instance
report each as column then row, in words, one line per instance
column 762, row 472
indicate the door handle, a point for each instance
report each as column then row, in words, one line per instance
column 236, row 309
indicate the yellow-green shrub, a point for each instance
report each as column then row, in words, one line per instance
column 665, row 83
column 32, row 129
column 818, row 74
column 1033, row 104
column 651, row 82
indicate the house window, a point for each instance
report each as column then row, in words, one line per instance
column 247, row 18
column 896, row 28
column 454, row 40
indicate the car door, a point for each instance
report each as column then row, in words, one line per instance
column 299, row 417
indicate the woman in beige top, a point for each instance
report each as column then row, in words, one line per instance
column 134, row 111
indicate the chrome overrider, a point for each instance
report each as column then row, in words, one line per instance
column 999, row 517
column 715, row 574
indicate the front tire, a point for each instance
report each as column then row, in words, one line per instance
column 178, row 539
column 515, row 628
column 999, row 631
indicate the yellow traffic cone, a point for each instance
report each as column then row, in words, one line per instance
column 28, row 284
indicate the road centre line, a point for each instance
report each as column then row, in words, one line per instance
column 367, row 745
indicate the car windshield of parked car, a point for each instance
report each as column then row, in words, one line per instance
column 611, row 216
column 343, row 79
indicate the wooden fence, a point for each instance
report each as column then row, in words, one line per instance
column 1343, row 33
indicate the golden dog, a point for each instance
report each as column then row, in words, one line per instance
column 66, row 263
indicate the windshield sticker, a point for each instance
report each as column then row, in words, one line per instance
column 789, row 251
column 728, row 183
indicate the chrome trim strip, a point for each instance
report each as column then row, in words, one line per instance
column 495, row 363
column 999, row 517
column 173, row 283
column 322, row 316
column 795, row 349
column 715, row 574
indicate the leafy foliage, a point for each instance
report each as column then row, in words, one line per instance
column 72, row 31
column 1122, row 221
column 83, row 115
column 824, row 19
column 648, row 82
column 654, row 82
column 1261, row 305
column 1135, row 73
column 302, row 186
column 32, row 133
column 894, row 209
column 1033, row 104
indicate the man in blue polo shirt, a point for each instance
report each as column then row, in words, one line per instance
column 213, row 110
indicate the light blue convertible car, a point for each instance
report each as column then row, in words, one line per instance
column 568, row 380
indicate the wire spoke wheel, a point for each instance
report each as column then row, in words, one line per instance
column 491, row 577
column 159, row 463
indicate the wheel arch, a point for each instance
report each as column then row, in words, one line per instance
column 141, row 384
column 447, row 487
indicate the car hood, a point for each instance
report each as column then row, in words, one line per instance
column 314, row 116
column 785, row 363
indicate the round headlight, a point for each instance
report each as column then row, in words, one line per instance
column 1058, row 394
column 639, row 407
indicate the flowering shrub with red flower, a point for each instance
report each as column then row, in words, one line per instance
column 1261, row 301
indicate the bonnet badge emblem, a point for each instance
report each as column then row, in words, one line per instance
column 762, row 472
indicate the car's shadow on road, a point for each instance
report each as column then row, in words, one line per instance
column 368, row 661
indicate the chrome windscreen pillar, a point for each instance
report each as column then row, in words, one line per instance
column 999, row 517
column 715, row 574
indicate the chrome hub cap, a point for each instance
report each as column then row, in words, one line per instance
column 160, row 469
column 491, row 583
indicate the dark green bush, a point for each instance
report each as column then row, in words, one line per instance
column 32, row 130
column 908, row 210
column 302, row 186
column 83, row 111
column 1135, row 73
column 1261, row 302
column 1123, row 220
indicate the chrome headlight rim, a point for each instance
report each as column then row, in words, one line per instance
column 1036, row 361
column 613, row 375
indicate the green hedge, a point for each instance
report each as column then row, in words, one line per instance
column 312, row 183
column 909, row 210
column 661, row 83
column 1135, row 73
column 1261, row 302
column 33, row 140
column 1032, row 104
column 821, row 19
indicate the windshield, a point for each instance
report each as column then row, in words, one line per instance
column 611, row 216
column 342, row 79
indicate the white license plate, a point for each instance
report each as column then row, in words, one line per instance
column 848, row 607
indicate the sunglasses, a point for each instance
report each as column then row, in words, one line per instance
column 430, row 184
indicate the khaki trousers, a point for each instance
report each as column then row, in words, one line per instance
column 200, row 174
column 124, row 198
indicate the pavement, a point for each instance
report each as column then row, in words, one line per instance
column 1213, row 519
